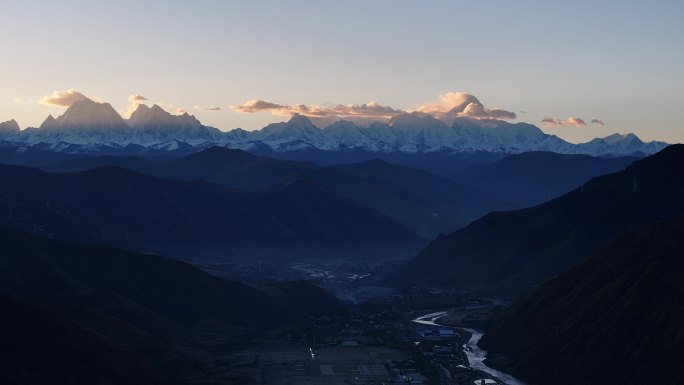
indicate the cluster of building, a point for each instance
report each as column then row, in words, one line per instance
column 445, row 348
column 404, row 373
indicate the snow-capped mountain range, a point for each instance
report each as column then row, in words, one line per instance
column 87, row 124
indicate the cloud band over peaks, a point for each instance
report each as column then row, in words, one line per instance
column 370, row 109
column 572, row 121
column 257, row 105
column 447, row 107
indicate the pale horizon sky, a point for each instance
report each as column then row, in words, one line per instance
column 616, row 61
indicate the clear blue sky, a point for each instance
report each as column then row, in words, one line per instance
column 618, row 61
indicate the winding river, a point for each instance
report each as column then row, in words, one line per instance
column 475, row 354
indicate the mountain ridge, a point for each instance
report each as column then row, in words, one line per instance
column 439, row 205
column 531, row 178
column 506, row 252
column 87, row 123
column 613, row 318
column 127, row 209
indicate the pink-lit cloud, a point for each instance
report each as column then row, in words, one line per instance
column 571, row 121
column 256, row 105
column 462, row 105
column 370, row 109
column 63, row 98
column 447, row 107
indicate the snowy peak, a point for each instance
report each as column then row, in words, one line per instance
column 418, row 132
column 140, row 114
column 9, row 126
column 621, row 138
column 300, row 121
column 342, row 128
column 85, row 122
column 467, row 100
column 416, row 120
column 92, row 115
column 298, row 132
column 91, row 124
column 189, row 119
column 48, row 123
column 157, row 117
column 621, row 144
column 345, row 134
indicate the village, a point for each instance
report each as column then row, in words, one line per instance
column 378, row 343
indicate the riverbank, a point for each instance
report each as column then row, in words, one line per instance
column 474, row 355
column 477, row 359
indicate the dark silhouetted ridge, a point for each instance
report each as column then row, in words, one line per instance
column 509, row 251
column 192, row 219
column 615, row 318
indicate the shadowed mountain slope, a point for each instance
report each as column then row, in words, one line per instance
column 96, row 314
column 509, row 251
column 186, row 219
column 39, row 346
column 424, row 203
column 153, row 308
column 532, row 178
column 614, row 318
column 458, row 201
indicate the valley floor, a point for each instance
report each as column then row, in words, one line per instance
column 290, row 363
column 370, row 347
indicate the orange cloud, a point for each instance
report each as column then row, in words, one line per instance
column 447, row 107
column 571, row 121
column 370, row 109
column 256, row 105
column 63, row 98
column 460, row 104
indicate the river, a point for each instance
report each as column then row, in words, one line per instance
column 475, row 354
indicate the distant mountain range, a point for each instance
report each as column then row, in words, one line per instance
column 614, row 318
column 295, row 217
column 532, row 178
column 507, row 252
column 423, row 202
column 89, row 126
